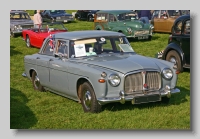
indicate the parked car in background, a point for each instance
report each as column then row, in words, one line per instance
column 163, row 20
column 56, row 16
column 19, row 20
column 34, row 37
column 178, row 48
column 87, row 15
column 123, row 21
column 99, row 67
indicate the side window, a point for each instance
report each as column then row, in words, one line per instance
column 62, row 48
column 102, row 16
column 155, row 14
column 112, row 18
column 47, row 49
column 177, row 27
column 187, row 27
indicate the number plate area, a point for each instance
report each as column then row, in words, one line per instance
column 146, row 99
column 142, row 37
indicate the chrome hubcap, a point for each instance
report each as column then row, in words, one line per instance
column 28, row 42
column 173, row 60
column 36, row 82
column 87, row 99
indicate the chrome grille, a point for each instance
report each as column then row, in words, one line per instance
column 26, row 26
column 66, row 17
column 135, row 82
column 153, row 80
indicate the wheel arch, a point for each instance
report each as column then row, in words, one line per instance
column 80, row 81
column 31, row 72
column 175, row 47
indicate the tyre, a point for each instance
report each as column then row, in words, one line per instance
column 36, row 82
column 88, row 99
column 150, row 38
column 89, row 18
column 12, row 34
column 174, row 57
column 165, row 100
column 28, row 42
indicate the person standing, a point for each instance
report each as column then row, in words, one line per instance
column 144, row 16
column 37, row 19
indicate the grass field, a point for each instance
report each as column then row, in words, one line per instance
column 31, row 109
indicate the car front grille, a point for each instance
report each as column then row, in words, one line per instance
column 27, row 26
column 65, row 17
column 134, row 83
column 141, row 32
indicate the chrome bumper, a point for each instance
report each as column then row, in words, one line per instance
column 122, row 98
column 24, row 74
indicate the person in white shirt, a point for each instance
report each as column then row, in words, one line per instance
column 37, row 19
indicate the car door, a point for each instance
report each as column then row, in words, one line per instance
column 102, row 21
column 112, row 22
column 58, row 67
column 185, row 42
column 42, row 61
column 36, row 38
column 163, row 21
column 156, row 20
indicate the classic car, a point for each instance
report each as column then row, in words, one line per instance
column 178, row 48
column 85, row 14
column 99, row 67
column 19, row 20
column 34, row 37
column 56, row 16
column 124, row 21
column 163, row 20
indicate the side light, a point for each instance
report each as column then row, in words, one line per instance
column 101, row 81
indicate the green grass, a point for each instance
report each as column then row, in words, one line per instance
column 31, row 109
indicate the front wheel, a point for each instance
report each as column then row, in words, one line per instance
column 174, row 57
column 28, row 42
column 88, row 99
column 36, row 82
column 12, row 34
column 89, row 18
column 165, row 100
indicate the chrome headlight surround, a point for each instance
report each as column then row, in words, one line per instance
column 129, row 29
column 114, row 80
column 167, row 73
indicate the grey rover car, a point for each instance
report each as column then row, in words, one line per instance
column 99, row 67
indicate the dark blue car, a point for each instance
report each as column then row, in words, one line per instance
column 56, row 16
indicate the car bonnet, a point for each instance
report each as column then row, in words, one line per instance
column 122, row 63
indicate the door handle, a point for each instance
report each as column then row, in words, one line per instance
column 50, row 59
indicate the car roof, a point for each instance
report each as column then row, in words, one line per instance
column 17, row 11
column 183, row 17
column 74, row 35
column 114, row 11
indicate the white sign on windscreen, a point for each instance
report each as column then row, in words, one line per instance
column 79, row 50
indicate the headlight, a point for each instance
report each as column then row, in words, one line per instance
column 114, row 80
column 167, row 73
column 129, row 29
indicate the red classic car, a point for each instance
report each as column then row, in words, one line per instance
column 34, row 37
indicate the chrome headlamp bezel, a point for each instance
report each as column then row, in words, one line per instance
column 129, row 29
column 114, row 80
column 167, row 73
